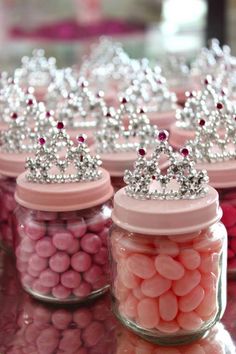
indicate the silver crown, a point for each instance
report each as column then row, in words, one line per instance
column 114, row 137
column 82, row 109
column 36, row 70
column 149, row 89
column 175, row 69
column 25, row 127
column 215, row 138
column 181, row 181
column 200, row 104
column 58, row 160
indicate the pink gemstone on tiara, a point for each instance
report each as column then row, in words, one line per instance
column 60, row 125
column 219, row 105
column 142, row 152
column 30, row 102
column 184, row 152
column 162, row 136
column 14, row 115
column 81, row 139
column 202, row 122
column 42, row 141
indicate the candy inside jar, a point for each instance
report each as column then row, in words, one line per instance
column 61, row 251
column 168, row 250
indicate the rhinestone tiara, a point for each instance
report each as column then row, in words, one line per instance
column 215, row 138
column 113, row 136
column 25, row 127
column 82, row 109
column 36, row 70
column 58, row 160
column 149, row 89
column 181, row 181
column 200, row 104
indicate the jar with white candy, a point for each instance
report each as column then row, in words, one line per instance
column 168, row 250
column 63, row 219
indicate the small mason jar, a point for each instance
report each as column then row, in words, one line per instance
column 61, row 251
column 168, row 261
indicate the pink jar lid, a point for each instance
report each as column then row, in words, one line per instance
column 179, row 136
column 166, row 217
column 63, row 196
column 12, row 164
column 221, row 174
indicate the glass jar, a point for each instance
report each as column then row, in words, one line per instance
column 61, row 253
column 168, row 266
column 8, row 205
column 228, row 205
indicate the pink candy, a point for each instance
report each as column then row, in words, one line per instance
column 170, row 287
column 63, row 257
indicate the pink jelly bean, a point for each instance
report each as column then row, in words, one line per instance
column 47, row 341
column 155, row 286
column 83, row 290
column 141, row 265
column 189, row 321
column 96, row 224
column 62, row 240
column 61, row 319
column 70, row 341
column 209, row 263
column 190, row 259
column 74, row 246
column 129, row 280
column 93, row 274
column 48, row 278
column 71, row 279
column 168, row 267
column 148, row 314
column 229, row 214
column 37, row 287
column 91, row 243
column 41, row 317
column 206, row 243
column 82, row 317
column 207, row 305
column 77, row 227
column 55, row 226
column 93, row 333
column 27, row 280
column 45, row 215
column 185, row 237
column 102, row 256
column 192, row 300
column 45, row 248
column 38, row 263
column 138, row 293
column 32, row 272
column 81, row 261
column 35, row 230
column 60, row 292
column 23, row 255
column 208, row 281
column 27, row 245
column 130, row 307
column 169, row 327
column 59, row 262
column 187, row 283
column 31, row 333
column 167, row 247
column 104, row 235
column 168, row 306
column 100, row 282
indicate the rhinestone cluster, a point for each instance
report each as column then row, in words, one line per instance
column 200, row 104
column 146, row 181
column 114, row 137
column 215, row 138
column 58, row 160
column 82, row 109
column 36, row 70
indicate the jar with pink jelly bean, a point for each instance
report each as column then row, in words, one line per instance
column 61, row 253
column 168, row 251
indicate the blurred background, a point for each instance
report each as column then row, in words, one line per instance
column 151, row 28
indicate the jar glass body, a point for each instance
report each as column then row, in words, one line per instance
column 8, row 205
column 169, row 289
column 62, row 256
column 227, row 198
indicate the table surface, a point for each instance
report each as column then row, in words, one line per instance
column 19, row 311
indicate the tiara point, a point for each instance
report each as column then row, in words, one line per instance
column 60, row 125
column 123, row 100
column 163, row 135
column 30, row 102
